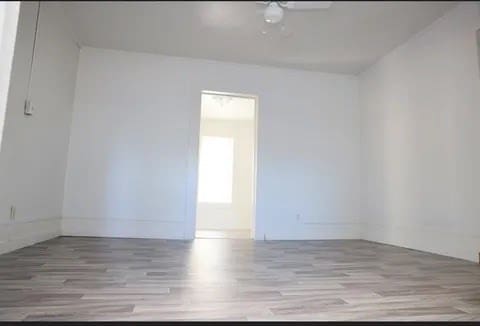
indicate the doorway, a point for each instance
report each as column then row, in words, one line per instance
column 226, row 166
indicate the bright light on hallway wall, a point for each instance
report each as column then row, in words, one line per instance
column 215, row 170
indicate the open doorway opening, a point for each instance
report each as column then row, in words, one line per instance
column 226, row 170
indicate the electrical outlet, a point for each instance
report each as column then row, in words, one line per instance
column 12, row 212
column 28, row 110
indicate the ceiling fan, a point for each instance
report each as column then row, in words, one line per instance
column 273, row 14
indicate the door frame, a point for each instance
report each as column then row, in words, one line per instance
column 255, row 154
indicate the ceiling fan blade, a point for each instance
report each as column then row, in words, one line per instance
column 299, row 5
column 307, row 5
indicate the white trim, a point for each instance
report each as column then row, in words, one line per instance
column 123, row 228
column 18, row 234
column 255, row 151
column 425, row 238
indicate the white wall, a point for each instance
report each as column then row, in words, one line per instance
column 33, row 153
column 132, row 167
column 8, row 30
column 238, row 214
column 2, row 18
column 421, row 140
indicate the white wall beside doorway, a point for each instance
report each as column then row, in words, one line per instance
column 132, row 167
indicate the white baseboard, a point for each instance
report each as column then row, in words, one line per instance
column 434, row 240
column 151, row 229
column 22, row 233
column 122, row 228
column 314, row 231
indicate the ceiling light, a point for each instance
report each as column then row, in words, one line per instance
column 273, row 13
column 221, row 99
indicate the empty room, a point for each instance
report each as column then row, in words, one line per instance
column 240, row 161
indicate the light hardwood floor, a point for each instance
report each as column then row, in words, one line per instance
column 222, row 234
column 79, row 278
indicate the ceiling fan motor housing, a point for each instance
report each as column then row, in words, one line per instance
column 273, row 13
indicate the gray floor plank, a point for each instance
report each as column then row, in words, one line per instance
column 82, row 278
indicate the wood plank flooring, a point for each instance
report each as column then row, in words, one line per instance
column 222, row 234
column 80, row 278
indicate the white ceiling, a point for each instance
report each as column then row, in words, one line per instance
column 346, row 38
column 224, row 107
